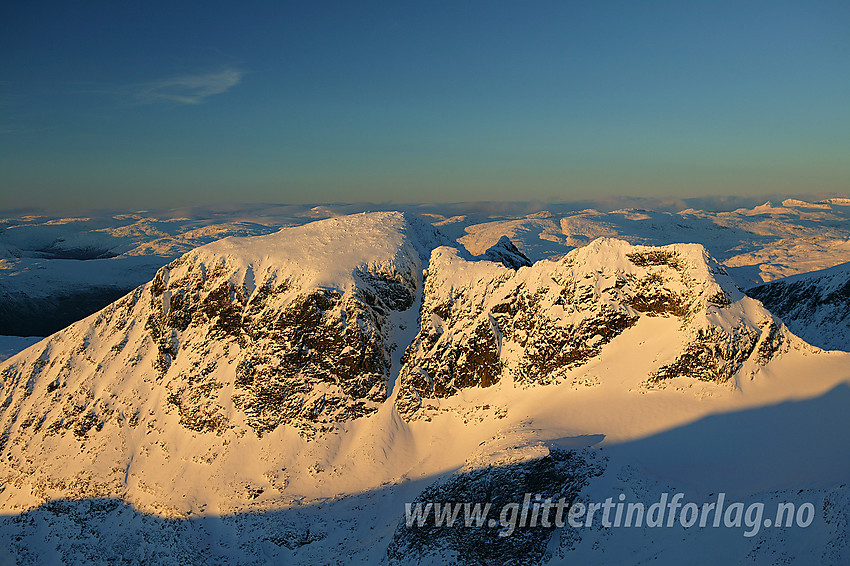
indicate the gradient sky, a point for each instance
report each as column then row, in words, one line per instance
column 149, row 104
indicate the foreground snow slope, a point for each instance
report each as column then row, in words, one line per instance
column 253, row 401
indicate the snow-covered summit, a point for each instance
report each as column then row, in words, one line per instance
column 328, row 253
column 505, row 252
column 483, row 323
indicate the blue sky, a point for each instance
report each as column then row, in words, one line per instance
column 148, row 104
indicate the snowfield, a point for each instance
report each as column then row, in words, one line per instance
column 277, row 396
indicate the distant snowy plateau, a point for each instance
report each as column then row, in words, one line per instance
column 271, row 385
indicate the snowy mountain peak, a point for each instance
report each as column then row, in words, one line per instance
column 681, row 266
column 483, row 323
column 506, row 253
column 328, row 253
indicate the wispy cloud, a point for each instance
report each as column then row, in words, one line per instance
column 189, row 89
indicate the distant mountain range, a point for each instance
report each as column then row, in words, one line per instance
column 55, row 270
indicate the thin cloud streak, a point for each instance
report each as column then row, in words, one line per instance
column 189, row 89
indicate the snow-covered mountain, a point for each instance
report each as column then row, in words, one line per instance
column 238, row 337
column 482, row 322
column 11, row 345
column 281, row 397
column 815, row 305
column 505, row 252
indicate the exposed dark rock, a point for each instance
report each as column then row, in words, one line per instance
column 561, row 474
column 710, row 356
column 656, row 257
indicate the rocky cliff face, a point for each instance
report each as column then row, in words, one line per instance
column 306, row 357
column 482, row 322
